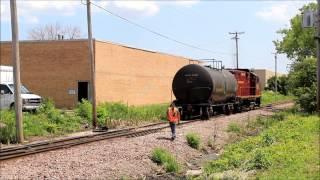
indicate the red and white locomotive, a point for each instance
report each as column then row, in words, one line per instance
column 203, row 91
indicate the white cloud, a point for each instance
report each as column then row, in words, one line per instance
column 148, row 8
column 187, row 3
column 280, row 12
column 30, row 11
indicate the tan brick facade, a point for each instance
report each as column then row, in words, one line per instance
column 134, row 76
column 264, row 75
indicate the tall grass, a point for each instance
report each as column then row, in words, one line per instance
column 163, row 157
column 269, row 97
column 46, row 121
column 193, row 140
column 114, row 114
column 287, row 149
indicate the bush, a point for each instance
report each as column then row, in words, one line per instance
column 260, row 160
column 7, row 127
column 165, row 158
column 193, row 140
column 84, row 109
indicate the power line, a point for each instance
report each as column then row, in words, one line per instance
column 157, row 33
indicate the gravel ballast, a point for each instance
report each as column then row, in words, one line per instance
column 121, row 157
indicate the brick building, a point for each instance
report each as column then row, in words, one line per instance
column 61, row 70
column 264, row 75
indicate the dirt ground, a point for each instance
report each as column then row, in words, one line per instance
column 122, row 157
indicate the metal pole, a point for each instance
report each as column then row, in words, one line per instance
column 16, row 71
column 275, row 72
column 318, row 56
column 92, row 62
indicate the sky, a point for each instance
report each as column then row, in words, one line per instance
column 203, row 24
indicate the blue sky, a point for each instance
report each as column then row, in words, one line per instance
column 201, row 23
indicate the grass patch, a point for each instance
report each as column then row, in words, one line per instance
column 287, row 149
column 163, row 157
column 234, row 128
column 269, row 97
column 193, row 140
column 50, row 121
column 46, row 121
column 115, row 114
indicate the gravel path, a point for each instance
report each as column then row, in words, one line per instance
column 122, row 157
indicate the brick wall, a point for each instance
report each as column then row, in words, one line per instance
column 134, row 76
column 51, row 68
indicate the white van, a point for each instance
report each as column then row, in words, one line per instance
column 30, row 101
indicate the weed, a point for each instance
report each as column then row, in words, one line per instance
column 165, row 158
column 193, row 140
column 234, row 127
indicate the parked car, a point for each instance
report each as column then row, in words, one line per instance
column 30, row 101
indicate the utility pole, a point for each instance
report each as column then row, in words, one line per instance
column 275, row 71
column 92, row 62
column 16, row 71
column 237, row 47
column 318, row 55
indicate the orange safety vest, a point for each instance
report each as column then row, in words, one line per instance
column 173, row 115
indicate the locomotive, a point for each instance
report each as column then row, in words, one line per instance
column 203, row 91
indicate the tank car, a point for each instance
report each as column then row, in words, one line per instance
column 202, row 91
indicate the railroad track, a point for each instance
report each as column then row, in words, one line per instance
column 33, row 148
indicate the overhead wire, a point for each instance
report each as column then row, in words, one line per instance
column 157, row 33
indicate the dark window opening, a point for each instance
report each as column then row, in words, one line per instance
column 83, row 91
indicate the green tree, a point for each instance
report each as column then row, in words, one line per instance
column 298, row 42
column 299, row 45
column 282, row 84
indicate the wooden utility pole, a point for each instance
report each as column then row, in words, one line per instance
column 318, row 55
column 92, row 62
column 16, row 71
column 237, row 46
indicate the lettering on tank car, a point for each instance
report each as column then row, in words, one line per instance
column 191, row 77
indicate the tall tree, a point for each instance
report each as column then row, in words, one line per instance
column 53, row 31
column 297, row 42
column 299, row 46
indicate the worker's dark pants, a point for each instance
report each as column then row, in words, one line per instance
column 173, row 129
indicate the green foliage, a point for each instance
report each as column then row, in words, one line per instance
column 297, row 42
column 112, row 114
column 7, row 127
column 234, row 127
column 193, row 140
column 282, row 84
column 269, row 97
column 287, row 149
column 46, row 121
column 302, row 81
column 163, row 157
column 84, row 109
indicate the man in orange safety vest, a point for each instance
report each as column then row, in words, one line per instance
column 173, row 116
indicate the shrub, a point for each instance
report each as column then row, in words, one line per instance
column 7, row 127
column 84, row 109
column 260, row 161
column 234, row 127
column 165, row 158
column 193, row 140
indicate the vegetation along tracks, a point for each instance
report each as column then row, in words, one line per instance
column 33, row 148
